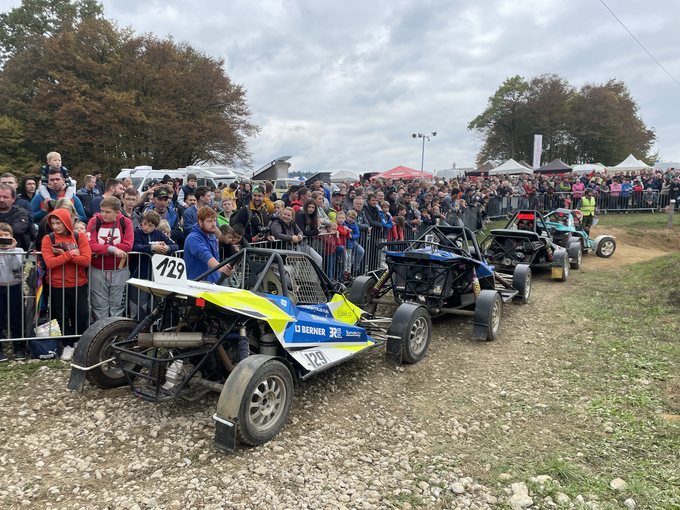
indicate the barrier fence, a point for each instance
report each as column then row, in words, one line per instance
column 606, row 202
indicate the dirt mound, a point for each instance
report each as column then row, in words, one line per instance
column 632, row 246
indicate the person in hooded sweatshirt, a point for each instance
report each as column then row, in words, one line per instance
column 66, row 259
column 149, row 239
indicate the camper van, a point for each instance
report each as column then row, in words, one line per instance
column 143, row 177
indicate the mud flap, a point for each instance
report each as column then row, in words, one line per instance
column 395, row 346
column 230, row 401
column 558, row 264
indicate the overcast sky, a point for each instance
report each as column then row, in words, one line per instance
column 343, row 85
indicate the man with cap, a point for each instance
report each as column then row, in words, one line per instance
column 254, row 218
column 161, row 204
column 98, row 181
column 588, row 210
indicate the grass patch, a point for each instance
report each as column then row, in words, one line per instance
column 18, row 371
column 637, row 221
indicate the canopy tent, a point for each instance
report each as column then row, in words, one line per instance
column 403, row 172
column 344, row 175
column 630, row 164
column 511, row 167
column 484, row 169
column 556, row 166
column 590, row 168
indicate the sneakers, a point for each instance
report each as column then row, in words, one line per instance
column 3, row 356
column 67, row 353
column 19, row 355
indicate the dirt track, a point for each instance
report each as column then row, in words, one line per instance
column 359, row 435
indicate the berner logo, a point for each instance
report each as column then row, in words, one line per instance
column 310, row 330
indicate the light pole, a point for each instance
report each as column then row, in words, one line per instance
column 420, row 135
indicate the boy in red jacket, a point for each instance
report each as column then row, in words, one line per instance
column 334, row 247
column 66, row 259
column 111, row 238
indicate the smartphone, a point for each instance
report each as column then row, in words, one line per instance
column 6, row 241
column 61, row 246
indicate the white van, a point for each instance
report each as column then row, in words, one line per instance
column 143, row 177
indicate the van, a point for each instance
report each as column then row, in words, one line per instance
column 143, row 177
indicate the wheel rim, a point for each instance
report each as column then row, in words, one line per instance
column 267, row 404
column 607, row 247
column 496, row 316
column 112, row 368
column 566, row 266
column 418, row 336
column 527, row 286
column 579, row 258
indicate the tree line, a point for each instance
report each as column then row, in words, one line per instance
column 596, row 123
column 106, row 98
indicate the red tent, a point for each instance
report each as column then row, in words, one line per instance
column 403, row 172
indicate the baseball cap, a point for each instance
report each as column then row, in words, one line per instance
column 161, row 192
column 258, row 189
column 336, row 194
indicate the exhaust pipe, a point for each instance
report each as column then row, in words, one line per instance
column 177, row 340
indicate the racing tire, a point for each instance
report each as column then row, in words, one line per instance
column 416, row 336
column 489, row 311
column 606, row 247
column 265, row 404
column 565, row 265
column 361, row 293
column 575, row 250
column 99, row 341
column 521, row 281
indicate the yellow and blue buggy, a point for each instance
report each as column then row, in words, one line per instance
column 251, row 337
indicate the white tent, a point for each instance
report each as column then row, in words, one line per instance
column 630, row 164
column 588, row 168
column 344, row 175
column 511, row 167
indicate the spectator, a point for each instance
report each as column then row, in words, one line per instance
column 203, row 199
column 337, row 199
column 354, row 251
column 11, row 297
column 189, row 187
column 334, row 250
column 27, row 189
column 148, row 239
column 226, row 211
column 361, row 220
column 285, row 229
column 304, row 194
column 98, row 182
column 308, row 221
column 348, row 204
column 386, row 217
column 129, row 202
column 15, row 217
column 230, row 191
column 114, row 188
column 42, row 207
column 111, row 238
column 246, row 194
column 372, row 212
column 253, row 216
column 237, row 239
column 54, row 163
column 88, row 193
column 225, row 238
column 161, row 204
column 291, row 197
column 66, row 256
column 201, row 251
column 11, row 180
column 268, row 192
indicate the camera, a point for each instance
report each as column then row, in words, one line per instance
column 263, row 230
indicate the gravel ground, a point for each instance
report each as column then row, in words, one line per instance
column 360, row 435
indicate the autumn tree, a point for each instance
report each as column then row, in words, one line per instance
column 598, row 123
column 109, row 99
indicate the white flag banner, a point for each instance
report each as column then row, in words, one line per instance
column 538, row 148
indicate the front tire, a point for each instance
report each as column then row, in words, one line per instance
column 361, row 293
column 416, row 336
column 606, row 247
column 575, row 251
column 108, row 375
column 489, row 311
column 521, row 281
column 265, row 404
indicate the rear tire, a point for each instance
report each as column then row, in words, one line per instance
column 109, row 375
column 490, row 311
column 416, row 336
column 361, row 293
column 573, row 253
column 521, row 281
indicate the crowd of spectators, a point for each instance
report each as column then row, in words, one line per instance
column 99, row 225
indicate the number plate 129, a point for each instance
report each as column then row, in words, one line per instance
column 169, row 270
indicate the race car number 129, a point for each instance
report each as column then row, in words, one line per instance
column 168, row 269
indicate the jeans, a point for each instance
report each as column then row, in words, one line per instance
column 108, row 292
column 10, row 313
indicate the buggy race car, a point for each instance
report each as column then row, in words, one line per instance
column 443, row 271
column 526, row 239
column 276, row 321
column 568, row 232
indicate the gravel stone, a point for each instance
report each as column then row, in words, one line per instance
column 630, row 503
column 618, row 484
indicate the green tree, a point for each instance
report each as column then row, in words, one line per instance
column 15, row 157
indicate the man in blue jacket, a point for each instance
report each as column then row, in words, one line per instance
column 55, row 185
column 201, row 251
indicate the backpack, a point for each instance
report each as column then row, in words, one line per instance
column 52, row 238
column 99, row 222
